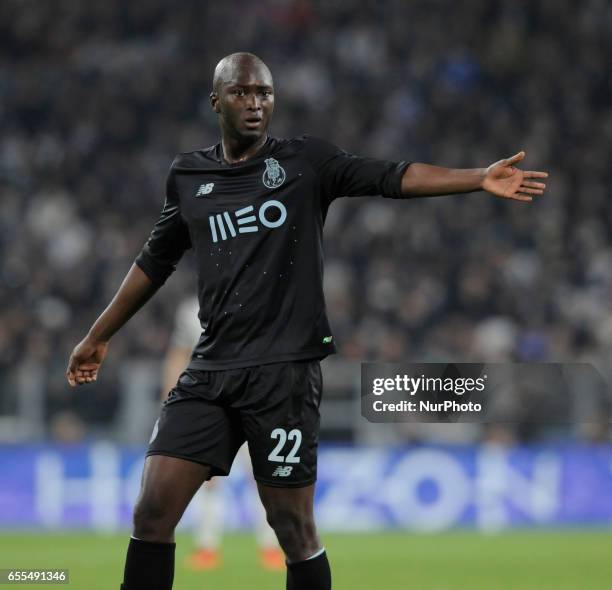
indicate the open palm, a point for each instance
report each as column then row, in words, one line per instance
column 504, row 180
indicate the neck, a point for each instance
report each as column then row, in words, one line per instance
column 238, row 149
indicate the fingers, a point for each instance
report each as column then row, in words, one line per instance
column 533, row 184
column 514, row 159
column 535, row 174
column 81, row 374
column 85, row 378
column 529, row 187
column 70, row 372
column 82, row 377
column 521, row 197
column 531, row 191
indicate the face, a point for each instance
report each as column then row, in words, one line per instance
column 245, row 101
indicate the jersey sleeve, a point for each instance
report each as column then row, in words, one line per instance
column 168, row 240
column 345, row 175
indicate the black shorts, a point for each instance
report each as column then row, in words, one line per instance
column 209, row 415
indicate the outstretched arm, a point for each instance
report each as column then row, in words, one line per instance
column 88, row 355
column 501, row 179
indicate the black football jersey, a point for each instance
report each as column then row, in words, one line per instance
column 257, row 227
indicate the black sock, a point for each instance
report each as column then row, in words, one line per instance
column 148, row 566
column 312, row 574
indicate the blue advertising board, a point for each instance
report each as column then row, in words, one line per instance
column 421, row 488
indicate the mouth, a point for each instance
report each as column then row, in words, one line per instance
column 253, row 122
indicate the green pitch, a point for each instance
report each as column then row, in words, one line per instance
column 388, row 561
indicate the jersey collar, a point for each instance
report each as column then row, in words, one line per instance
column 262, row 151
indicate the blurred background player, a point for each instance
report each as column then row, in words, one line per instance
column 210, row 504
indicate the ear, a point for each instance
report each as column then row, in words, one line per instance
column 214, row 102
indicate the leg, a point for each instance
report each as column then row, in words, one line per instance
column 168, row 484
column 290, row 514
column 282, row 431
column 195, row 427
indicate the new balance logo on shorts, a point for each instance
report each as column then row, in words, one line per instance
column 205, row 189
column 282, row 471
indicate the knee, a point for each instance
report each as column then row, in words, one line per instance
column 151, row 522
column 296, row 531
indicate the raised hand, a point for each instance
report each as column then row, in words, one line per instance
column 504, row 180
column 85, row 362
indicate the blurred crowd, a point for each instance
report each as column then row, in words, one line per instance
column 97, row 97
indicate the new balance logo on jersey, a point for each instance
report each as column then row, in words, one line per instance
column 282, row 471
column 221, row 224
column 205, row 189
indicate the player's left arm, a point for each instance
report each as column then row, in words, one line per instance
column 502, row 179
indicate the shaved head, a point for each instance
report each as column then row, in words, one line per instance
column 235, row 65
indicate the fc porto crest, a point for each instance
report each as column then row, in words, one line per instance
column 274, row 174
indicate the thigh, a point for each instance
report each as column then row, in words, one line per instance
column 195, row 425
column 282, row 425
column 168, row 485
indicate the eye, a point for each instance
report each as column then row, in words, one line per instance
column 238, row 92
column 266, row 92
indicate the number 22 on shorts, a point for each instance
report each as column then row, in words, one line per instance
column 282, row 436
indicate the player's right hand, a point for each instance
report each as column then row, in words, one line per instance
column 85, row 361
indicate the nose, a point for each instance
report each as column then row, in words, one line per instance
column 253, row 103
